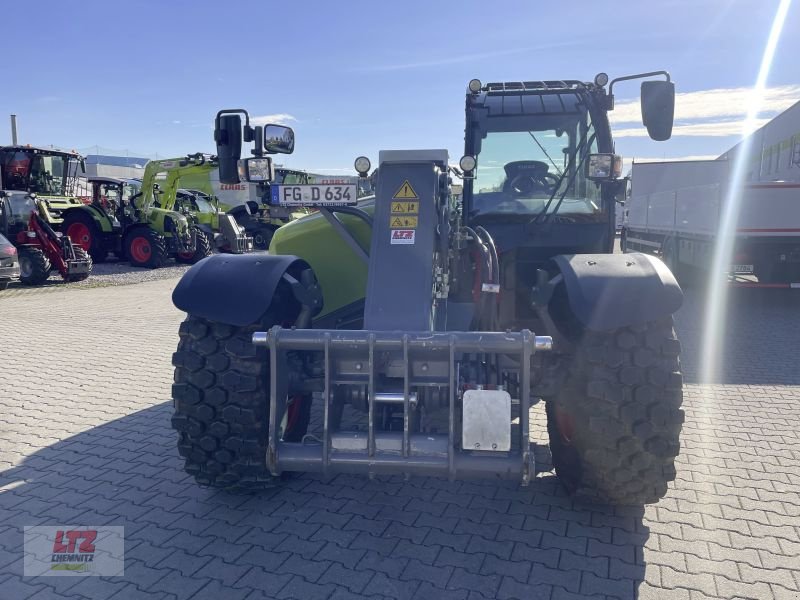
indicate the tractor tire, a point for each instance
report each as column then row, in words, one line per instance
column 262, row 237
column 615, row 426
column 84, row 232
column 202, row 248
column 145, row 248
column 81, row 254
column 221, row 400
column 34, row 267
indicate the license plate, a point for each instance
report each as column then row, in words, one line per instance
column 326, row 194
column 742, row 268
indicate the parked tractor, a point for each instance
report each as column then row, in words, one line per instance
column 40, row 249
column 219, row 229
column 259, row 219
column 131, row 219
column 49, row 173
column 418, row 309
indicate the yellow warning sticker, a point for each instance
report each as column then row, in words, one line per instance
column 402, row 222
column 406, row 192
column 405, row 208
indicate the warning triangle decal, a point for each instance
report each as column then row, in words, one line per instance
column 406, row 192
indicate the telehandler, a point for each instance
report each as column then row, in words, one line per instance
column 418, row 309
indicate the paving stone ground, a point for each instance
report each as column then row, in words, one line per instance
column 85, row 440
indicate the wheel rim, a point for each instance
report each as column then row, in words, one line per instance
column 140, row 249
column 80, row 234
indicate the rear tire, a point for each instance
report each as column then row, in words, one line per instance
column 615, row 425
column 145, row 248
column 34, row 268
column 84, row 232
column 221, row 400
column 202, row 248
column 81, row 254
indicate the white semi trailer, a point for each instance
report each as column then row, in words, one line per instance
column 674, row 211
column 773, row 151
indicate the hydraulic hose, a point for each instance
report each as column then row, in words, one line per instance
column 494, row 305
column 485, row 303
column 489, row 241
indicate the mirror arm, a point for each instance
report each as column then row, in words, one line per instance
column 628, row 78
column 258, row 140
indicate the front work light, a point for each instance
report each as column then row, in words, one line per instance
column 467, row 163
column 601, row 79
column 475, row 86
column 362, row 165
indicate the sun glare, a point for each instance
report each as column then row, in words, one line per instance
column 717, row 300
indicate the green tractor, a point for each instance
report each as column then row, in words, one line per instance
column 417, row 308
column 260, row 219
column 146, row 222
column 219, row 228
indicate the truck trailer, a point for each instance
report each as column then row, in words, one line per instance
column 675, row 210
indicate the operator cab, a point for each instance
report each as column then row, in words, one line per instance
column 15, row 213
column 40, row 171
column 532, row 141
column 195, row 201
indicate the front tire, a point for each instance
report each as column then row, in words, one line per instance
column 202, row 248
column 34, row 268
column 81, row 254
column 221, row 400
column 614, row 427
column 145, row 248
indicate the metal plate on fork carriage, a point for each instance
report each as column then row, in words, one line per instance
column 486, row 420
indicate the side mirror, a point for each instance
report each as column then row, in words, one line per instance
column 658, row 108
column 228, row 136
column 257, row 170
column 83, row 165
column 278, row 139
column 604, row 167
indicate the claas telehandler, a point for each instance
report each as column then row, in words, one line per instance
column 442, row 319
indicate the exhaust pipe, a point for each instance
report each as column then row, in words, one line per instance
column 13, row 130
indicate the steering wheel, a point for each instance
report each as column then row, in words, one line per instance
column 527, row 184
column 527, row 177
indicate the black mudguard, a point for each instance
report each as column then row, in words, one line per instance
column 236, row 289
column 608, row 291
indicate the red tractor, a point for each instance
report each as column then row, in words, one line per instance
column 40, row 248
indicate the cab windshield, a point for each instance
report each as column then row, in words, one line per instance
column 537, row 171
column 203, row 204
column 291, row 177
column 44, row 174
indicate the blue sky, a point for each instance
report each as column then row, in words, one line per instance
column 356, row 77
